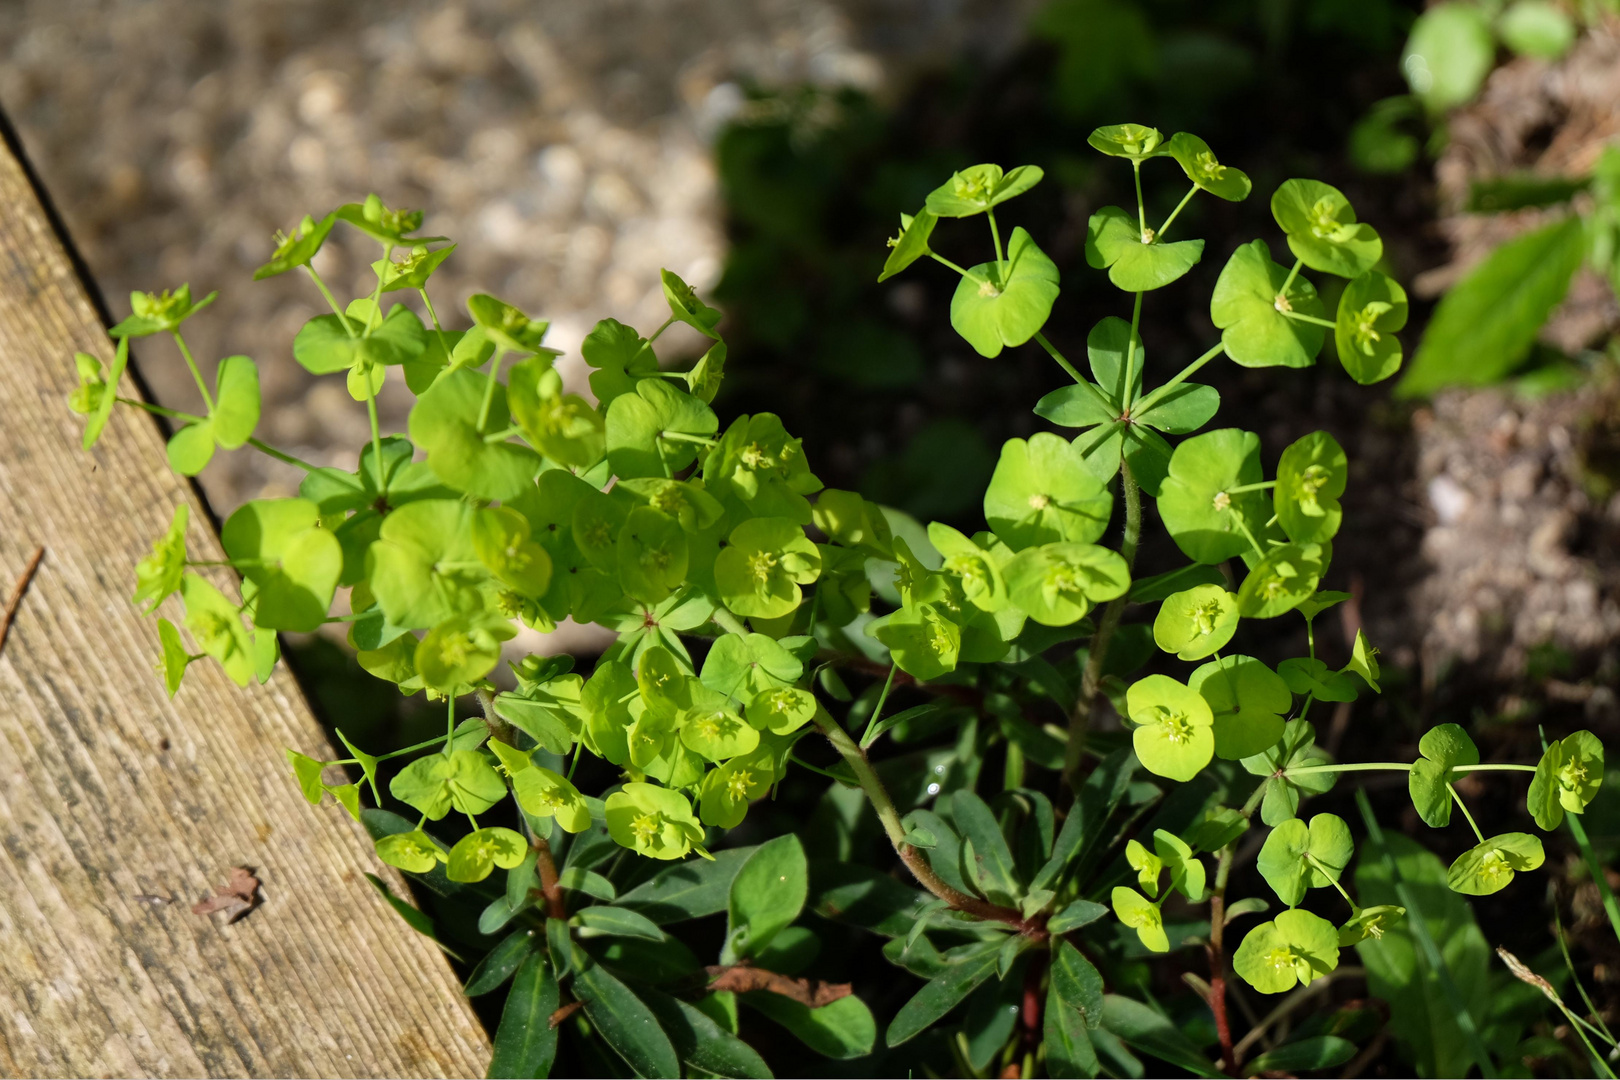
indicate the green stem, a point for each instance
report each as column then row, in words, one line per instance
column 1185, row 199
column 433, row 316
column 889, row 817
column 159, row 410
column 1128, row 392
column 266, row 448
column 436, row 741
column 1292, row 274
column 995, row 238
column 1261, row 486
column 502, row 436
column 208, row 399
column 1609, row 906
column 817, row 769
column 1243, row 526
column 376, row 436
column 1091, row 678
column 1157, row 394
column 667, row 324
column 1357, row 766
column 888, row 684
column 1080, row 380
column 489, row 389
column 943, row 260
column 579, row 748
column 1493, row 768
column 1141, row 207
column 728, row 622
column 1297, row 317
column 331, row 301
column 376, row 296
column 1464, row 808
column 681, row 436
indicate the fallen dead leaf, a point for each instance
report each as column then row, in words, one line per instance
column 236, row 897
column 811, row 993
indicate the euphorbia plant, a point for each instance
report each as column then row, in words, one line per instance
column 741, row 606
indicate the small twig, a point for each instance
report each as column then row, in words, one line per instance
column 564, row 1013
column 17, row 593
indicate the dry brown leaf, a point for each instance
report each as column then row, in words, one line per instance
column 236, row 897
column 811, row 993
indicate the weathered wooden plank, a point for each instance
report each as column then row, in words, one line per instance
column 109, row 791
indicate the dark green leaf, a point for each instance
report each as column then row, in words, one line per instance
column 687, row 890
column 1078, row 983
column 1149, row 1031
column 1079, row 913
column 842, row 1031
column 702, row 1043
column 525, row 1043
column 942, row 994
column 617, row 922
column 1068, row 1042
column 862, row 896
column 1150, row 590
column 989, row 862
column 767, row 894
column 1486, row 324
column 499, row 963
column 626, row 1023
column 1306, row 1055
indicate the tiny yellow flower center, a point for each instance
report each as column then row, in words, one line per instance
column 1222, row 501
column 1039, row 502
column 647, row 827
column 1207, row 167
column 738, row 784
column 760, row 565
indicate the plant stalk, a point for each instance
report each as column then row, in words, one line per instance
column 889, row 816
column 1091, row 680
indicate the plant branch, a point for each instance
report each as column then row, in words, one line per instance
column 1091, row 680
column 1156, row 395
column 546, row 867
column 889, row 817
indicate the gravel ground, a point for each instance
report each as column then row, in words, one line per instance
column 563, row 143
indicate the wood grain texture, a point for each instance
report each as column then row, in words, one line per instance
column 109, row 791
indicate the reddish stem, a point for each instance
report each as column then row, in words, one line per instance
column 549, row 888
column 1217, row 982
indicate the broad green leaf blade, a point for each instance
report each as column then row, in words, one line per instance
column 500, row 963
column 1448, row 54
column 97, row 420
column 1185, row 409
column 702, row 1043
column 989, row 862
column 1254, row 329
column 626, row 1024
column 1068, row 1042
column 1307, row 1055
column 1433, row 966
column 842, row 1031
column 617, row 922
column 942, row 994
column 1372, row 310
column 864, row 897
column 1486, row 324
column 687, row 890
column 236, row 401
column 1006, row 304
column 525, row 1043
column 1149, row 1031
column 767, row 894
column 1078, row 983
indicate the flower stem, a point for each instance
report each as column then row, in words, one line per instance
column 1091, row 679
column 1292, row 274
column 1464, row 808
column 331, row 301
column 375, row 319
column 208, row 399
column 1154, row 396
column 489, row 389
column 943, row 260
column 433, row 316
column 995, row 238
column 1297, row 317
column 159, row 410
column 888, row 684
column 1185, row 199
column 1357, row 766
column 1127, row 392
column 1141, row 207
column 279, row 455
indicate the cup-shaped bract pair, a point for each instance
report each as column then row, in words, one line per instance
column 1567, row 779
column 653, row 821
